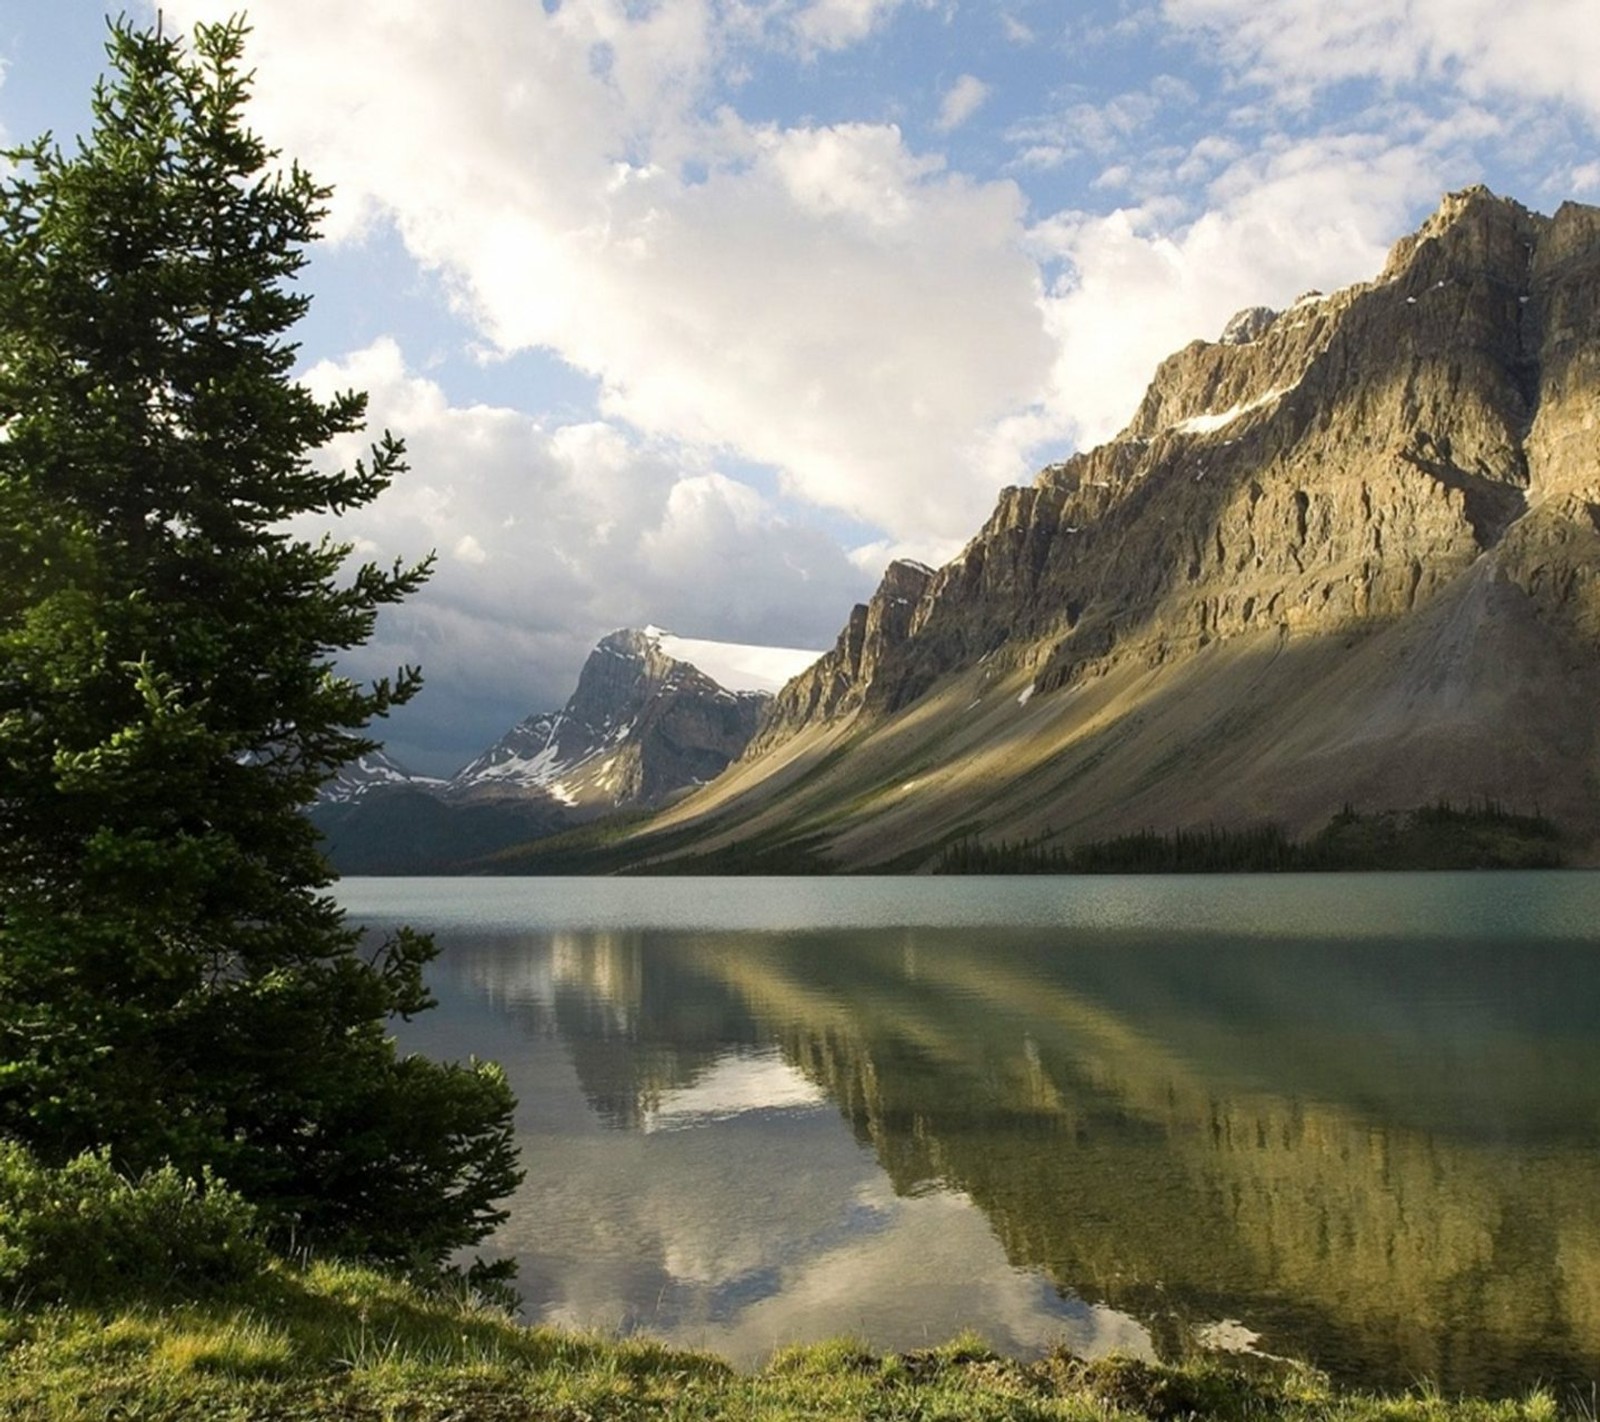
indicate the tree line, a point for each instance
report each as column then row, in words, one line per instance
column 1482, row 834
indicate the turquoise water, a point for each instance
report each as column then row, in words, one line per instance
column 1350, row 1119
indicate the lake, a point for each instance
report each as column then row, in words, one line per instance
column 1349, row 1119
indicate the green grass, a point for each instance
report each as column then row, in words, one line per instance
column 342, row 1343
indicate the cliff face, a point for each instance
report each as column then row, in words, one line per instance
column 683, row 727
column 1337, row 468
column 1394, row 490
column 837, row 683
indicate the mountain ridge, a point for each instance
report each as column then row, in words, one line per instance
column 1346, row 554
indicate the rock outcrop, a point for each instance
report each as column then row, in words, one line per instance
column 837, row 683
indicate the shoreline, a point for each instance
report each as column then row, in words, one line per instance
column 336, row 1341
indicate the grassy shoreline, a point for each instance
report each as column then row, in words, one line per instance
column 332, row 1341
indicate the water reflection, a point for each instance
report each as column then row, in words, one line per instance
column 1381, row 1155
column 733, row 1085
column 688, row 1179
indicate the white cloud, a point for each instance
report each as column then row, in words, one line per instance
column 1016, row 31
column 833, row 24
column 1541, row 49
column 1206, row 156
column 556, row 536
column 469, row 550
column 1585, row 179
column 861, row 174
column 960, row 102
column 819, row 298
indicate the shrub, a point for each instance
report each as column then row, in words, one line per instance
column 83, row 1233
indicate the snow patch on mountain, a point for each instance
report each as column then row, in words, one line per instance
column 734, row 665
column 367, row 772
column 521, row 761
column 1205, row 424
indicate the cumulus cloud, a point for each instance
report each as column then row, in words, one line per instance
column 819, row 298
column 550, row 537
column 961, row 100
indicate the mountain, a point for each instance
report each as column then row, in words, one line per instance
column 376, row 770
column 641, row 726
column 1346, row 555
column 644, row 724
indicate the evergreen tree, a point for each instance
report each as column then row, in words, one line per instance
column 174, row 982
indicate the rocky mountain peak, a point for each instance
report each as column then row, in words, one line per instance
column 1247, row 325
column 623, row 672
column 640, row 725
column 1470, row 230
column 1473, row 239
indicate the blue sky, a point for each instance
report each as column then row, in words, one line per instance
column 695, row 312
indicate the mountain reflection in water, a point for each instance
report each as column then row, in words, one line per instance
column 1377, row 1154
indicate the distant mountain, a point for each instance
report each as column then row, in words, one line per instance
column 644, row 724
column 376, row 770
column 1347, row 554
column 641, row 726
